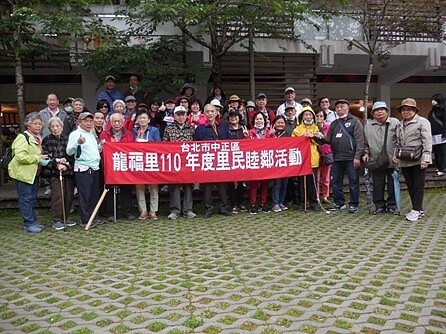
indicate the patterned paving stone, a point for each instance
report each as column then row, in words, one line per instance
column 291, row 272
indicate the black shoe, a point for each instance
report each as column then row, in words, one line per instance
column 253, row 210
column 93, row 224
column 225, row 213
column 379, row 211
column 315, row 207
column 129, row 217
column 98, row 221
column 264, row 209
column 208, row 214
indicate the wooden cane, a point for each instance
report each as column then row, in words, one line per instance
column 95, row 211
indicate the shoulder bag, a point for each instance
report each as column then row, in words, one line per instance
column 381, row 160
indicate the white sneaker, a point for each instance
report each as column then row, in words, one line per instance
column 48, row 191
column 173, row 215
column 276, row 208
column 190, row 214
column 413, row 215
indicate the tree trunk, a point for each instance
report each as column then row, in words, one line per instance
column 367, row 86
column 252, row 73
column 216, row 67
column 19, row 82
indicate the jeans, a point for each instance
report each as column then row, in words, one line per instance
column 27, row 196
column 279, row 190
column 339, row 170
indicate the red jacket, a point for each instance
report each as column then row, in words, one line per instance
column 127, row 136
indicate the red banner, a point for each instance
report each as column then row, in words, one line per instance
column 206, row 161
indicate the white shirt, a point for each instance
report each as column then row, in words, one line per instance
column 281, row 109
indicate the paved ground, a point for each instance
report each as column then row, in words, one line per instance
column 272, row 273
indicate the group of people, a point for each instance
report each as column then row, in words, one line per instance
column 64, row 145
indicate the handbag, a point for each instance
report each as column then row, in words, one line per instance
column 409, row 153
column 328, row 159
column 381, row 160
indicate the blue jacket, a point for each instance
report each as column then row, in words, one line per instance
column 206, row 132
column 110, row 96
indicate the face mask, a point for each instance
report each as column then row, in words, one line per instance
column 343, row 116
column 434, row 103
column 290, row 117
column 308, row 122
column 68, row 109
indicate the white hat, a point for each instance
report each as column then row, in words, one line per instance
column 179, row 109
column 216, row 103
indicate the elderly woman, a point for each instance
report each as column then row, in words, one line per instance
column 71, row 121
column 24, row 168
column 60, row 164
column 414, row 131
column 143, row 134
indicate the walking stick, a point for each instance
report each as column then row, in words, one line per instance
column 95, row 211
column 368, row 189
column 63, row 201
column 305, row 193
column 115, row 191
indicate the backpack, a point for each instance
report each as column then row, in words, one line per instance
column 7, row 157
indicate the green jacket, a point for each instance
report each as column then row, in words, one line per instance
column 24, row 164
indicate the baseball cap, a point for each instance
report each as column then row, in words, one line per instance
column 179, row 109
column 261, row 95
column 289, row 89
column 84, row 115
column 110, row 77
column 130, row 98
column 342, row 101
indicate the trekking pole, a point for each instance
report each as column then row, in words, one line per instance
column 63, row 201
column 305, row 193
column 317, row 196
column 115, row 191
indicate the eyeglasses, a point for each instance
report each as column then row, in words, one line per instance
column 103, row 107
column 325, row 101
column 320, row 116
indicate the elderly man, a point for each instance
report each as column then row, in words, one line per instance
column 290, row 100
column 180, row 131
column 110, row 94
column 118, row 134
column 213, row 131
column 83, row 145
column 52, row 110
column 261, row 102
column 380, row 135
column 346, row 136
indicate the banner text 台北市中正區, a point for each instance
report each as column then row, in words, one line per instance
column 206, row 161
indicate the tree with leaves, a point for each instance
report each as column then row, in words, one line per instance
column 219, row 25
column 157, row 62
column 388, row 23
column 32, row 30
